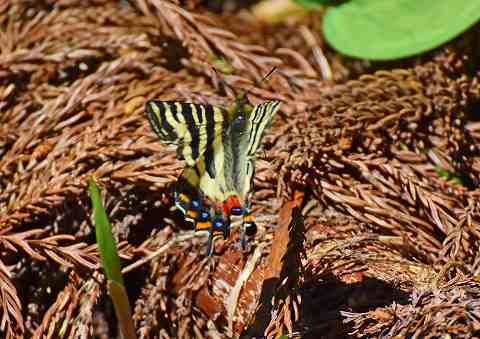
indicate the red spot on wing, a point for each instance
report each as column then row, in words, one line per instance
column 231, row 202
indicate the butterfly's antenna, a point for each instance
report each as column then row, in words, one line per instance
column 244, row 95
column 220, row 79
column 268, row 74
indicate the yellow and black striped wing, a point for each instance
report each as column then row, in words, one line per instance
column 245, row 138
column 260, row 118
column 220, row 153
column 192, row 127
column 229, row 171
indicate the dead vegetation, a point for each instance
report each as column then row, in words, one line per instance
column 369, row 180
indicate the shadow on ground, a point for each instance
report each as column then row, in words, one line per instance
column 322, row 302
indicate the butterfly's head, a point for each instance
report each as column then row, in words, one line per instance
column 241, row 109
column 242, row 103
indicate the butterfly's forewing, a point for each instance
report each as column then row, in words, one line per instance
column 248, row 142
column 192, row 127
column 198, row 131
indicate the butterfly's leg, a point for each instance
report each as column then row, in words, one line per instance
column 226, row 228
column 208, row 226
column 210, row 243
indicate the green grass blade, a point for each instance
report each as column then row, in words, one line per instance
column 106, row 242
column 111, row 264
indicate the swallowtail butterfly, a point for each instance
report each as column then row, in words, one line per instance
column 219, row 147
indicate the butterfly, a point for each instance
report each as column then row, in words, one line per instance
column 219, row 148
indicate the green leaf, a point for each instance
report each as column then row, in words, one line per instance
column 393, row 29
column 105, row 240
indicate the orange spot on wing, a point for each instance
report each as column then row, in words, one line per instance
column 202, row 226
column 248, row 218
column 217, row 233
column 192, row 214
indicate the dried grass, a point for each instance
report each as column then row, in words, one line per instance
column 391, row 243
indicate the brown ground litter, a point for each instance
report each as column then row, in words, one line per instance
column 366, row 198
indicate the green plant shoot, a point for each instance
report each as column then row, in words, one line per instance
column 111, row 263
